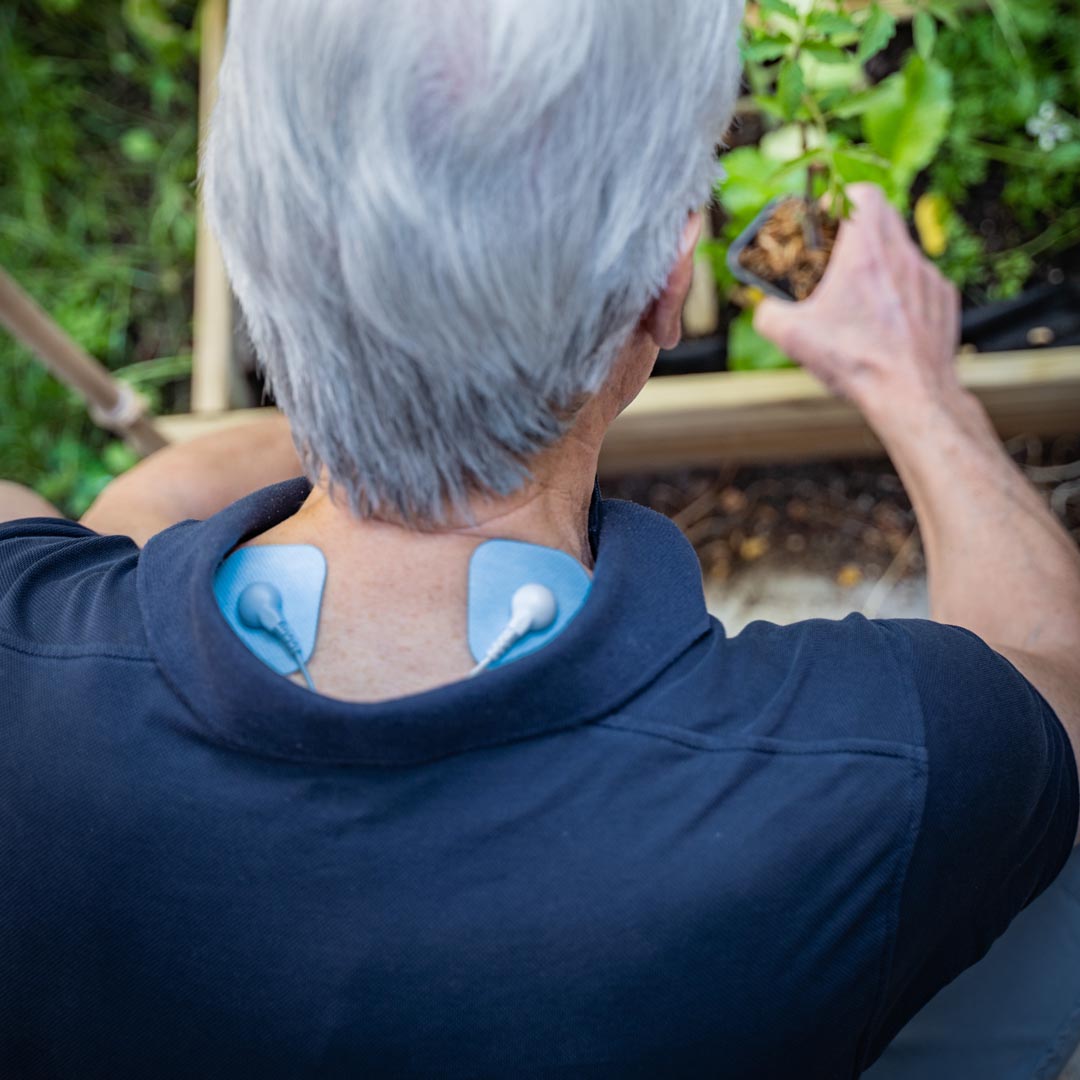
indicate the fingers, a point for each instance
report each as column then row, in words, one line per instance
column 861, row 236
column 773, row 319
column 939, row 310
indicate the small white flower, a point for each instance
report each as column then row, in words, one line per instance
column 1047, row 126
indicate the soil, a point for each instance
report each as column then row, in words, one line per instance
column 784, row 251
column 851, row 521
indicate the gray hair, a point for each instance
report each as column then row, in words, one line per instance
column 444, row 218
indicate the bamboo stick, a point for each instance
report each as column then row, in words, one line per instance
column 112, row 404
column 211, row 362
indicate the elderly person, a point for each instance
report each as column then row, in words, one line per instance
column 460, row 233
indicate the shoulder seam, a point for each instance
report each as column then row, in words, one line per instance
column 694, row 740
column 74, row 652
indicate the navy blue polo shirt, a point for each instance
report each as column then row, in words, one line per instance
column 646, row 850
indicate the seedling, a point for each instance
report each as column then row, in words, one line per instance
column 829, row 124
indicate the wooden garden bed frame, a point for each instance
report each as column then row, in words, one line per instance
column 679, row 420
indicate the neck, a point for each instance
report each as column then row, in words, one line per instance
column 394, row 614
column 551, row 515
column 551, row 510
column 393, row 618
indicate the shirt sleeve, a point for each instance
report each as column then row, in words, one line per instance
column 998, row 821
column 63, row 584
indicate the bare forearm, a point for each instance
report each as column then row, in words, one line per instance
column 999, row 563
column 195, row 479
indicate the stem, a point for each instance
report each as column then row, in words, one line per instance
column 811, row 229
column 1007, row 25
column 1008, row 155
column 1061, row 230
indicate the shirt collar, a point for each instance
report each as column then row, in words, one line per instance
column 645, row 608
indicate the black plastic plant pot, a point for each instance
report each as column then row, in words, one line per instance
column 744, row 240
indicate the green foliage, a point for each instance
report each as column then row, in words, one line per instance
column 1013, row 148
column 877, row 32
column 806, row 67
column 983, row 113
column 748, row 350
column 908, row 120
column 830, row 126
column 97, row 165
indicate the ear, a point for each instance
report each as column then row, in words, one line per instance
column 663, row 320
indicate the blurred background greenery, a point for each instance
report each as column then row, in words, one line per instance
column 98, row 133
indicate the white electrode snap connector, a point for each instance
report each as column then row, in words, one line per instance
column 260, row 608
column 533, row 608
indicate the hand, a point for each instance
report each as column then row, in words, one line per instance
column 883, row 325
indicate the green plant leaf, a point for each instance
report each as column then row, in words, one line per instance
column 789, row 142
column 769, row 105
column 748, row 350
column 854, row 166
column 826, row 53
column 764, row 47
column 944, row 13
column 877, row 32
column 1064, row 158
column 750, row 180
column 118, row 457
column 139, row 146
column 908, row 123
column 850, row 105
column 824, row 77
column 925, row 31
column 779, row 7
column 831, row 23
column 790, row 87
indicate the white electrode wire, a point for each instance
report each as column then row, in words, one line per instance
column 502, row 645
column 287, row 638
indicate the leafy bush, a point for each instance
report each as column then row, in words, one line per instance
column 830, row 125
column 97, row 164
column 1013, row 147
column 979, row 114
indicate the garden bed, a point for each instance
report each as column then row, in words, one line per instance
column 851, row 522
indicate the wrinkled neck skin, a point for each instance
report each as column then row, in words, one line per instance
column 393, row 619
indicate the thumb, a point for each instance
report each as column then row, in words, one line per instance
column 773, row 319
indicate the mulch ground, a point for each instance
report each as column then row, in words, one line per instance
column 848, row 520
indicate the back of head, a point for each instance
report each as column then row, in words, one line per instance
column 443, row 219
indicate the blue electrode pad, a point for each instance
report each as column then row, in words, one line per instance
column 298, row 572
column 497, row 569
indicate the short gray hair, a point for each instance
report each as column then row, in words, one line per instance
column 444, row 218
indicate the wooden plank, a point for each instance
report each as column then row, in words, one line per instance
column 789, row 416
column 211, row 363
column 182, row 427
column 689, row 420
